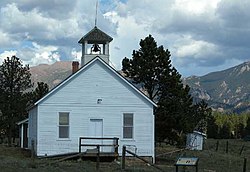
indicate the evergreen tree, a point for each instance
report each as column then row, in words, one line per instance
column 148, row 67
column 14, row 80
column 41, row 90
column 247, row 129
column 212, row 128
column 174, row 115
column 225, row 131
column 203, row 114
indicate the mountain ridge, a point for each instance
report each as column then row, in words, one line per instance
column 227, row 90
column 229, row 87
column 51, row 74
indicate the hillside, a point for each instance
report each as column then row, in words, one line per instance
column 227, row 90
column 51, row 74
column 224, row 90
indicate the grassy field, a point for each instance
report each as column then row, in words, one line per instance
column 210, row 160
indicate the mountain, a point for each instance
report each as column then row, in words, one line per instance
column 227, row 90
column 51, row 74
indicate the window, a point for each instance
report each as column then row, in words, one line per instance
column 128, row 126
column 63, row 125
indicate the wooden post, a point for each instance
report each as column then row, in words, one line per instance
column 80, row 147
column 98, row 158
column 123, row 157
column 116, row 147
column 242, row 148
column 245, row 165
column 32, row 149
column 227, row 147
column 217, row 145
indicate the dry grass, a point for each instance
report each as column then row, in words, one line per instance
column 14, row 159
column 210, row 159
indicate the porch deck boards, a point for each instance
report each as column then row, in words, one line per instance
column 101, row 154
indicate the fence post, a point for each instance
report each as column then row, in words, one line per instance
column 32, row 149
column 217, row 145
column 123, row 157
column 245, row 165
column 116, row 147
column 242, row 148
column 80, row 147
column 227, row 147
column 98, row 158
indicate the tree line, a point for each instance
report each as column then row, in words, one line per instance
column 16, row 95
column 229, row 126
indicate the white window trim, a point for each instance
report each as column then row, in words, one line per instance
column 133, row 133
column 68, row 138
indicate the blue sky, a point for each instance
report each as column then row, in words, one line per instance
column 202, row 36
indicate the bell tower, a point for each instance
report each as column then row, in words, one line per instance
column 95, row 43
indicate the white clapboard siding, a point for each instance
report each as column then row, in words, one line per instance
column 79, row 97
column 32, row 133
column 96, row 82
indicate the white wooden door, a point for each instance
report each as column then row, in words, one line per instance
column 96, row 128
column 96, row 131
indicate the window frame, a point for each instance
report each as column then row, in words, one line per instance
column 64, row 125
column 128, row 126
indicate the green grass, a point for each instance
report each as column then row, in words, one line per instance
column 15, row 159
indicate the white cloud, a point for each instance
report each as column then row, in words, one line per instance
column 76, row 55
column 6, row 54
column 39, row 54
column 5, row 39
column 34, row 55
column 195, row 49
column 129, row 33
column 195, row 6
column 205, row 33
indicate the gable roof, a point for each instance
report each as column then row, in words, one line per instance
column 95, row 36
column 97, row 58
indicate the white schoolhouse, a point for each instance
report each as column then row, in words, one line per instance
column 95, row 101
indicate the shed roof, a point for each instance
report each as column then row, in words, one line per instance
column 200, row 133
column 95, row 36
column 23, row 121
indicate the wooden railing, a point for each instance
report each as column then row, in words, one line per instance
column 114, row 144
column 124, row 151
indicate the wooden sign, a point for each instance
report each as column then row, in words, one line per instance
column 187, row 161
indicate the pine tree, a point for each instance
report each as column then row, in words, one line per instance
column 14, row 80
column 41, row 90
column 150, row 68
column 174, row 115
column 247, row 129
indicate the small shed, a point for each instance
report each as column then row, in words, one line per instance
column 23, row 133
column 195, row 140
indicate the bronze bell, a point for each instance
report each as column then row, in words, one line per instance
column 95, row 48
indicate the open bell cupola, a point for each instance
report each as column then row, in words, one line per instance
column 95, row 43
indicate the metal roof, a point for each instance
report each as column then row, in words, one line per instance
column 95, row 36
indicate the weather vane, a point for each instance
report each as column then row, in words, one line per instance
column 96, row 12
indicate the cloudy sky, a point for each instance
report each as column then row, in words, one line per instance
column 202, row 35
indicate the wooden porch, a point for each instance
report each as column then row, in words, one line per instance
column 102, row 148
